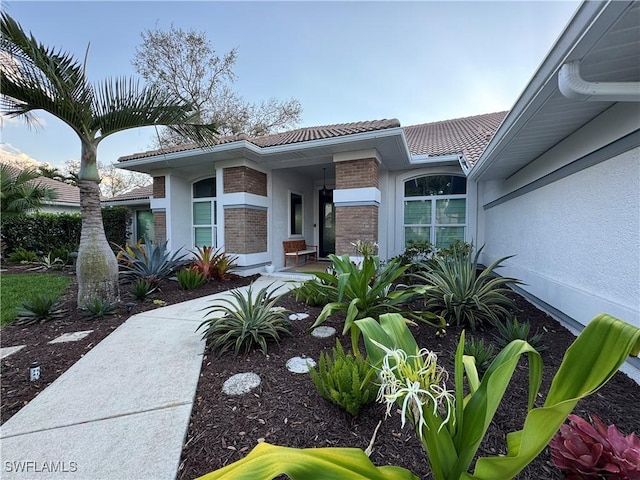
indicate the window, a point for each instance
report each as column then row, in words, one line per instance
column 144, row 224
column 295, row 214
column 435, row 209
column 204, row 213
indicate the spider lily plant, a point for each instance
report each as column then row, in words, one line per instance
column 451, row 429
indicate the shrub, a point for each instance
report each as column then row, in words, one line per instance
column 213, row 264
column 189, row 279
column 21, row 255
column 344, row 380
column 454, row 290
column 364, row 292
column 98, row 308
column 142, row 288
column 512, row 330
column 310, row 293
column 153, row 264
column 417, row 251
column 459, row 248
column 584, row 450
column 482, row 352
column 247, row 321
column 42, row 232
column 64, row 253
column 39, row 309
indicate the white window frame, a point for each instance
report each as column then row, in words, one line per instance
column 433, row 198
column 214, row 214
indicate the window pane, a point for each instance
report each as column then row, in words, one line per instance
column 203, row 236
column 435, row 185
column 205, row 188
column 296, row 214
column 202, row 213
column 451, row 210
column 416, row 233
column 417, row 212
column 445, row 236
column 144, row 224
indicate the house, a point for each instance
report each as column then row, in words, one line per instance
column 67, row 198
column 555, row 181
column 138, row 201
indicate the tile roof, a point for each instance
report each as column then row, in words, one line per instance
column 65, row 193
column 139, row 193
column 468, row 135
column 285, row 138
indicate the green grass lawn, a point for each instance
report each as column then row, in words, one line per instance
column 18, row 287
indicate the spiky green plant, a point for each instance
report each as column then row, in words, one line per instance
column 455, row 290
column 190, row 279
column 39, row 309
column 365, row 291
column 483, row 353
column 152, row 262
column 141, row 289
column 98, row 308
column 310, row 293
column 511, row 330
column 344, row 379
column 247, row 321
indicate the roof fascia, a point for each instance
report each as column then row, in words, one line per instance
column 583, row 26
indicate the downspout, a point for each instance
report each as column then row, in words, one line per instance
column 574, row 87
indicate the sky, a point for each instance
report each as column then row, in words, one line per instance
column 350, row 61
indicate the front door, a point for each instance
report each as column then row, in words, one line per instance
column 327, row 217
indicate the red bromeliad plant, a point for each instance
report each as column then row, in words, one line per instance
column 584, row 451
column 212, row 263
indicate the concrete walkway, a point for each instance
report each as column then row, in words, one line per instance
column 122, row 411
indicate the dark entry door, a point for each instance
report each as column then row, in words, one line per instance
column 327, row 223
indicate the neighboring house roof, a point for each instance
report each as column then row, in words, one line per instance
column 65, row 193
column 468, row 135
column 285, row 138
column 139, row 193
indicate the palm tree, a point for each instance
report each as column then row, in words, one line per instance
column 20, row 192
column 35, row 77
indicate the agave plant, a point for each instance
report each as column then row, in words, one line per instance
column 98, row 308
column 366, row 291
column 514, row 330
column 584, row 450
column 39, row 309
column 152, row 262
column 455, row 290
column 246, row 321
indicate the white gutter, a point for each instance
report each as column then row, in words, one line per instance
column 574, row 87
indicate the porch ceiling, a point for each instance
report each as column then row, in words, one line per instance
column 608, row 52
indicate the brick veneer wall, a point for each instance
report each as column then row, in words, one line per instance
column 160, row 225
column 245, row 230
column 357, row 173
column 355, row 223
column 244, row 179
column 159, row 189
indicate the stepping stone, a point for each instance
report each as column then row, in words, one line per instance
column 241, row 383
column 71, row 336
column 6, row 351
column 323, row 332
column 300, row 364
column 298, row 316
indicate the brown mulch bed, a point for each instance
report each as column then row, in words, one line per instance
column 16, row 389
column 286, row 409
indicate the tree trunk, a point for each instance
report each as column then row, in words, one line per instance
column 96, row 267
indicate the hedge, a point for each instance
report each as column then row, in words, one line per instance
column 43, row 232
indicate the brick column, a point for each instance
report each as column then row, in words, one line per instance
column 159, row 215
column 245, row 225
column 356, row 200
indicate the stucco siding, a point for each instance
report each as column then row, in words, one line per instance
column 576, row 240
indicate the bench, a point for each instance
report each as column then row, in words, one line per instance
column 298, row 248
